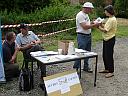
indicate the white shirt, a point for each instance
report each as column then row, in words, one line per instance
column 82, row 17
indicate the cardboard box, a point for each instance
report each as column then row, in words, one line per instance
column 63, row 44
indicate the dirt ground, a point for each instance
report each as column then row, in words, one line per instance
column 115, row 86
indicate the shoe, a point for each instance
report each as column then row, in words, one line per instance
column 88, row 70
column 3, row 82
column 104, row 71
column 109, row 75
column 76, row 69
column 42, row 86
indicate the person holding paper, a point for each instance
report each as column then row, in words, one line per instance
column 10, row 50
column 109, row 33
column 83, row 30
column 28, row 41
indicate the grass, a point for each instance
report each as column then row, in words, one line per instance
column 122, row 31
column 51, row 42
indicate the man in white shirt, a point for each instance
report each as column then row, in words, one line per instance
column 83, row 30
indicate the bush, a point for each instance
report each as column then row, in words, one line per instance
column 121, row 8
column 53, row 12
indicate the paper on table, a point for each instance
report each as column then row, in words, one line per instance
column 90, row 53
column 62, row 57
column 43, row 53
column 80, row 50
column 37, row 53
column 46, row 59
column 51, row 52
column 99, row 20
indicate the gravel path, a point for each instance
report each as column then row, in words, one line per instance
column 115, row 86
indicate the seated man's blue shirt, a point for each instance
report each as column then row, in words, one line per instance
column 23, row 40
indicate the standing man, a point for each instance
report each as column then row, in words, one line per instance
column 10, row 50
column 83, row 30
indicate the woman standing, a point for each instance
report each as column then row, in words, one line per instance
column 109, row 31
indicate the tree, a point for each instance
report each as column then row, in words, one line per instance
column 121, row 8
column 23, row 5
column 100, row 4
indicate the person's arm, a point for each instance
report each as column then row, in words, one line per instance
column 84, row 22
column 36, row 39
column 14, row 55
column 36, row 42
column 19, row 43
column 27, row 46
column 17, row 49
column 85, row 26
column 102, row 29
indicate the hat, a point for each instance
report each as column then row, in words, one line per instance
column 88, row 5
column 23, row 25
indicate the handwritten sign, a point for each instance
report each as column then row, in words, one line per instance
column 63, row 84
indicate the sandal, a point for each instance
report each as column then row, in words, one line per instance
column 109, row 75
column 104, row 71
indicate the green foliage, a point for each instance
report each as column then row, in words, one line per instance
column 121, row 8
column 56, row 2
column 99, row 4
column 122, row 31
column 55, row 12
column 26, row 6
column 60, row 11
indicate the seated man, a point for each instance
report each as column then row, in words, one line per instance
column 10, row 50
column 29, row 42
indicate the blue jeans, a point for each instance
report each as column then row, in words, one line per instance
column 84, row 42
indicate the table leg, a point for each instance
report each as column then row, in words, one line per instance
column 45, row 93
column 32, row 81
column 80, row 70
column 95, row 71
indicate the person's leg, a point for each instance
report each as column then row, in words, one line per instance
column 11, row 70
column 88, row 48
column 43, row 69
column 80, row 41
column 84, row 42
column 33, row 49
column 105, row 54
column 27, row 56
column 110, row 51
column 43, row 74
column 105, row 60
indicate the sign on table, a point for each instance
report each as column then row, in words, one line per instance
column 63, row 84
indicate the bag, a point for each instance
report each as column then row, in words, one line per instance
column 63, row 44
column 25, row 79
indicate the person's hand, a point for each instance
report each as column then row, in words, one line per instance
column 93, row 21
column 33, row 42
column 97, row 24
column 12, row 60
column 29, row 45
column 36, row 42
column 17, row 48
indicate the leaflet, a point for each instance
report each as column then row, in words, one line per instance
column 99, row 20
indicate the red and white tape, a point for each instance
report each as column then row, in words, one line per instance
column 49, row 34
column 35, row 24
